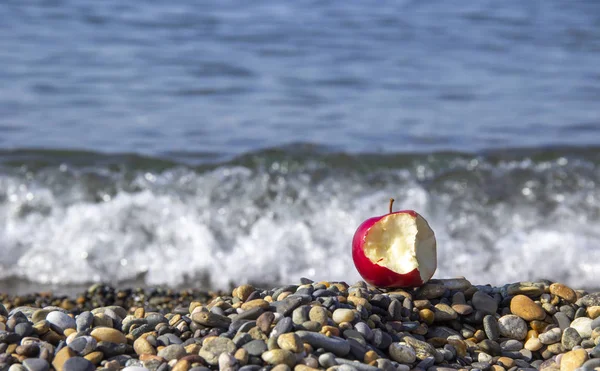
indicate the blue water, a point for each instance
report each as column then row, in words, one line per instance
column 229, row 77
column 245, row 141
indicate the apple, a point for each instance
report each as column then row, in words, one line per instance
column 395, row 250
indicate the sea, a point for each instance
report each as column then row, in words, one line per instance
column 206, row 144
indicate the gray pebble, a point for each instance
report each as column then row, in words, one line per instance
column 173, row 351
column 591, row 364
column 36, row 364
column 252, row 314
column 23, row 329
column 243, row 368
column 283, row 326
column 364, row 330
column 338, row 346
column 83, row 345
column 300, row 314
column 354, row 364
column 402, row 353
column 61, row 320
column 551, row 336
column 583, row 325
column 595, row 323
column 381, row 339
column 78, row 364
column 327, row 360
column 511, row 345
column 247, row 326
column 512, row 327
column 84, row 321
column 562, row 319
column 483, row 366
column 255, row 347
column 168, row 339
column 570, row 338
column 490, row 326
column 242, row 338
column 287, row 305
column 595, row 352
column 426, row 363
column 484, row 303
column 16, row 367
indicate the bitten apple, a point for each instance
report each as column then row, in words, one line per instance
column 395, row 250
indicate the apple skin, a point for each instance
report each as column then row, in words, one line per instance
column 375, row 274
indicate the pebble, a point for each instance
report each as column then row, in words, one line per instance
column 484, row 303
column 109, row 335
column 491, row 328
column 290, row 341
column 78, row 364
column 444, row 325
column 592, row 364
column 318, row 314
column 61, row 320
column 173, row 351
column 402, row 353
column 563, row 291
column 526, row 308
column 337, row 346
column 583, row 325
column 343, row 315
column 211, row 319
column 83, row 345
column 570, row 338
column 512, row 326
column 551, row 336
column 36, row 364
column 283, row 326
column 278, row 356
column 211, row 349
column 573, row 359
column 255, row 347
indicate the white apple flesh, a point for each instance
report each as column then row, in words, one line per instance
column 395, row 250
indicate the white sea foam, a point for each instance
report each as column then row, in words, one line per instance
column 235, row 224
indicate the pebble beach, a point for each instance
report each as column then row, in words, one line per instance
column 447, row 324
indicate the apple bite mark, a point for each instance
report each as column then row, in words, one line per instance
column 395, row 250
column 391, row 243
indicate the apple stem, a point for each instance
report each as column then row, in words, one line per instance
column 391, row 203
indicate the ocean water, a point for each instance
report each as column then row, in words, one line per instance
column 205, row 144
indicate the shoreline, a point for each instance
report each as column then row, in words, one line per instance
column 446, row 324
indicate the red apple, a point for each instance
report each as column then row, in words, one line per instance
column 395, row 250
